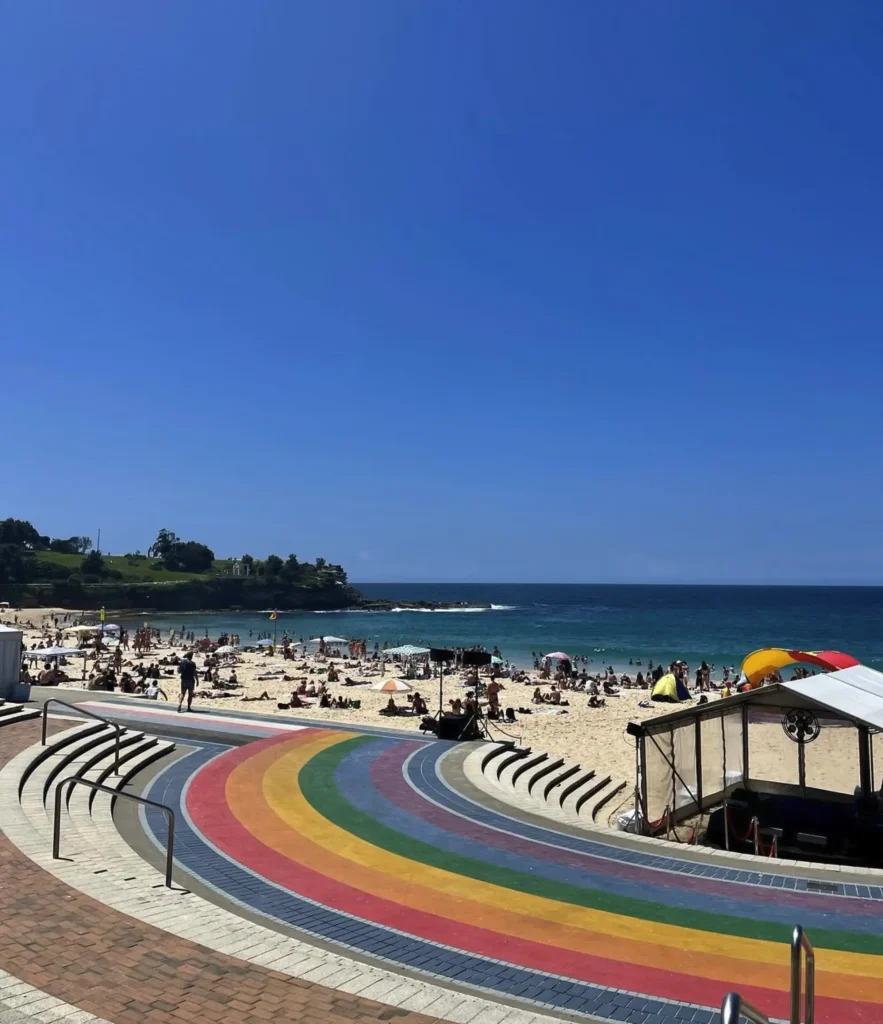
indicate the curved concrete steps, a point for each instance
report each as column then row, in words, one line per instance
column 534, row 780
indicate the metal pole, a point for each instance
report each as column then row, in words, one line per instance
column 170, row 845
column 116, row 755
column 56, row 824
column 734, row 1008
column 755, row 825
column 726, row 826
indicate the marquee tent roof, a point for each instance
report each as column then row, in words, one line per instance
column 855, row 692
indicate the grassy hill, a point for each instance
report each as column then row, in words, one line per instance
column 137, row 568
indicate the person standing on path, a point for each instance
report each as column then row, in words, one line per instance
column 187, row 671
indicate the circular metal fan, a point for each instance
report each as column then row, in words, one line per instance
column 800, row 724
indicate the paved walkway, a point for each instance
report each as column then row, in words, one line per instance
column 361, row 840
column 93, row 958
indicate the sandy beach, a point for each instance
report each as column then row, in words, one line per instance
column 594, row 737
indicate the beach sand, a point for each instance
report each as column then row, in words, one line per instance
column 594, row 737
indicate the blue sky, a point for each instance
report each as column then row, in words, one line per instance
column 450, row 291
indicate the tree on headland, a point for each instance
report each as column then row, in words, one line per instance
column 93, row 565
column 162, row 546
column 247, row 563
column 20, row 533
column 189, row 556
column 273, row 565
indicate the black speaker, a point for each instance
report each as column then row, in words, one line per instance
column 440, row 654
column 475, row 659
column 458, row 727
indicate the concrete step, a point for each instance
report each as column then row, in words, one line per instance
column 12, row 713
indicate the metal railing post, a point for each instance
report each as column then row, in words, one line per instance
column 75, row 780
column 726, row 826
column 800, row 943
column 98, row 718
column 755, row 827
column 734, row 1008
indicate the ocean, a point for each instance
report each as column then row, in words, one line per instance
column 610, row 624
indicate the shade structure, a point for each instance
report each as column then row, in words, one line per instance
column 393, row 686
column 53, row 652
column 264, row 643
column 559, row 656
column 83, row 629
column 226, row 649
column 329, row 640
column 407, row 650
column 496, row 660
column 759, row 664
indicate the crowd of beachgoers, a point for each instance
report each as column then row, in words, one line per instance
column 559, row 706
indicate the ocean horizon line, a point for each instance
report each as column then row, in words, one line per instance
column 553, row 583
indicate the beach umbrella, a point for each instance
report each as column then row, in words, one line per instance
column 329, row 640
column 264, row 643
column 53, row 652
column 226, row 649
column 495, row 660
column 393, row 686
column 559, row 656
column 407, row 650
column 82, row 629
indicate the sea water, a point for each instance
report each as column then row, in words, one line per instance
column 609, row 624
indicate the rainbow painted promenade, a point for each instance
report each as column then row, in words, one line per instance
column 377, row 845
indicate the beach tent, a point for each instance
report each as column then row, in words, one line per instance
column 53, row 652
column 83, row 629
column 670, row 689
column 407, row 651
column 759, row 664
column 329, row 640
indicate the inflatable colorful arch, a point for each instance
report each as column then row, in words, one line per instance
column 759, row 664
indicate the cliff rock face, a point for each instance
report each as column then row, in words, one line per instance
column 219, row 593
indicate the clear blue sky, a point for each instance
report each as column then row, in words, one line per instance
column 569, row 291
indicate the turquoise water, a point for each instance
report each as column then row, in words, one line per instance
column 609, row 624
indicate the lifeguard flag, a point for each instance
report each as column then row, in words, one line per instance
column 102, row 615
column 272, row 615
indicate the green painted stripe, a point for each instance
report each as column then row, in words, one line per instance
column 318, row 787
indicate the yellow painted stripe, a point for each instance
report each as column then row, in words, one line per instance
column 288, row 824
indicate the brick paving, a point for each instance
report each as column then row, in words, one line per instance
column 99, row 960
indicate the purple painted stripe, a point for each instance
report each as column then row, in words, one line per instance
column 387, row 776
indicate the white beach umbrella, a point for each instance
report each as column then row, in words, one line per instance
column 393, row 686
column 329, row 640
column 53, row 652
column 226, row 649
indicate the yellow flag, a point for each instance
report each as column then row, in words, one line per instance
column 102, row 614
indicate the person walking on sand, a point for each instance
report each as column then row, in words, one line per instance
column 187, row 672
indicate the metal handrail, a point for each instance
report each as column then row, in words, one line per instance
column 734, row 1008
column 91, row 714
column 800, row 941
column 74, row 780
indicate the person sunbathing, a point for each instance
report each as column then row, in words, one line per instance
column 263, row 696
